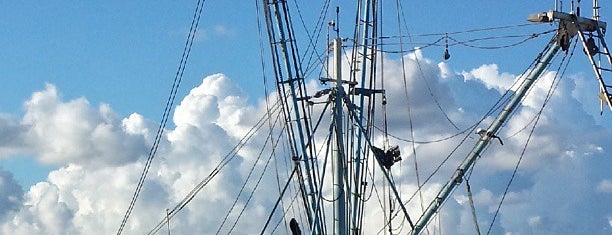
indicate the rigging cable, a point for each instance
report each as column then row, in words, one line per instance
column 527, row 38
column 318, row 208
column 551, row 90
column 268, row 138
column 428, row 141
column 400, row 10
column 255, row 187
column 414, row 153
column 280, row 197
column 471, row 199
column 167, row 110
column 465, row 31
column 284, row 212
column 318, row 29
column 226, row 159
column 481, row 29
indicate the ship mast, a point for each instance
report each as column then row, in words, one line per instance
column 351, row 135
column 337, row 94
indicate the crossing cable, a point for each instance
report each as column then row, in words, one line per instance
column 442, row 34
column 400, row 10
column 284, row 212
column 414, row 153
column 467, row 43
column 167, row 110
column 280, row 198
column 551, row 90
column 269, row 138
column 527, row 38
column 428, row 141
column 318, row 29
column 226, row 159
column 263, row 171
column 478, row 30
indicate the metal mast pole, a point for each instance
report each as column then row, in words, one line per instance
column 364, row 52
column 291, row 89
column 340, row 200
column 486, row 137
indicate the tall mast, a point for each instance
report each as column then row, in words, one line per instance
column 338, row 95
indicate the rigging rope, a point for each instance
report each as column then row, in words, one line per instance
column 168, row 108
column 479, row 29
column 410, row 122
column 428, row 141
column 280, row 197
column 318, row 29
column 468, row 43
column 527, row 38
column 254, row 188
column 416, row 58
column 474, row 217
column 268, row 138
column 226, row 159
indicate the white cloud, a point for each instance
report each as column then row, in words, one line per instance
column 61, row 133
column 99, row 154
column 490, row 76
column 605, row 186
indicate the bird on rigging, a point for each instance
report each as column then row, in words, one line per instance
column 483, row 133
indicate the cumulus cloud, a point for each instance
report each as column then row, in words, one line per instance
column 490, row 76
column 72, row 132
column 91, row 191
column 100, row 158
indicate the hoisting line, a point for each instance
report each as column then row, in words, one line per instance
column 280, row 197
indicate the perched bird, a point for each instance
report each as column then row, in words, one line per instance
column 483, row 133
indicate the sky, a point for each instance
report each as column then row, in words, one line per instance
column 84, row 85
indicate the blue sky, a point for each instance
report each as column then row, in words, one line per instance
column 125, row 54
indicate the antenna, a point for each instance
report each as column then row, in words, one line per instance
column 337, row 22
